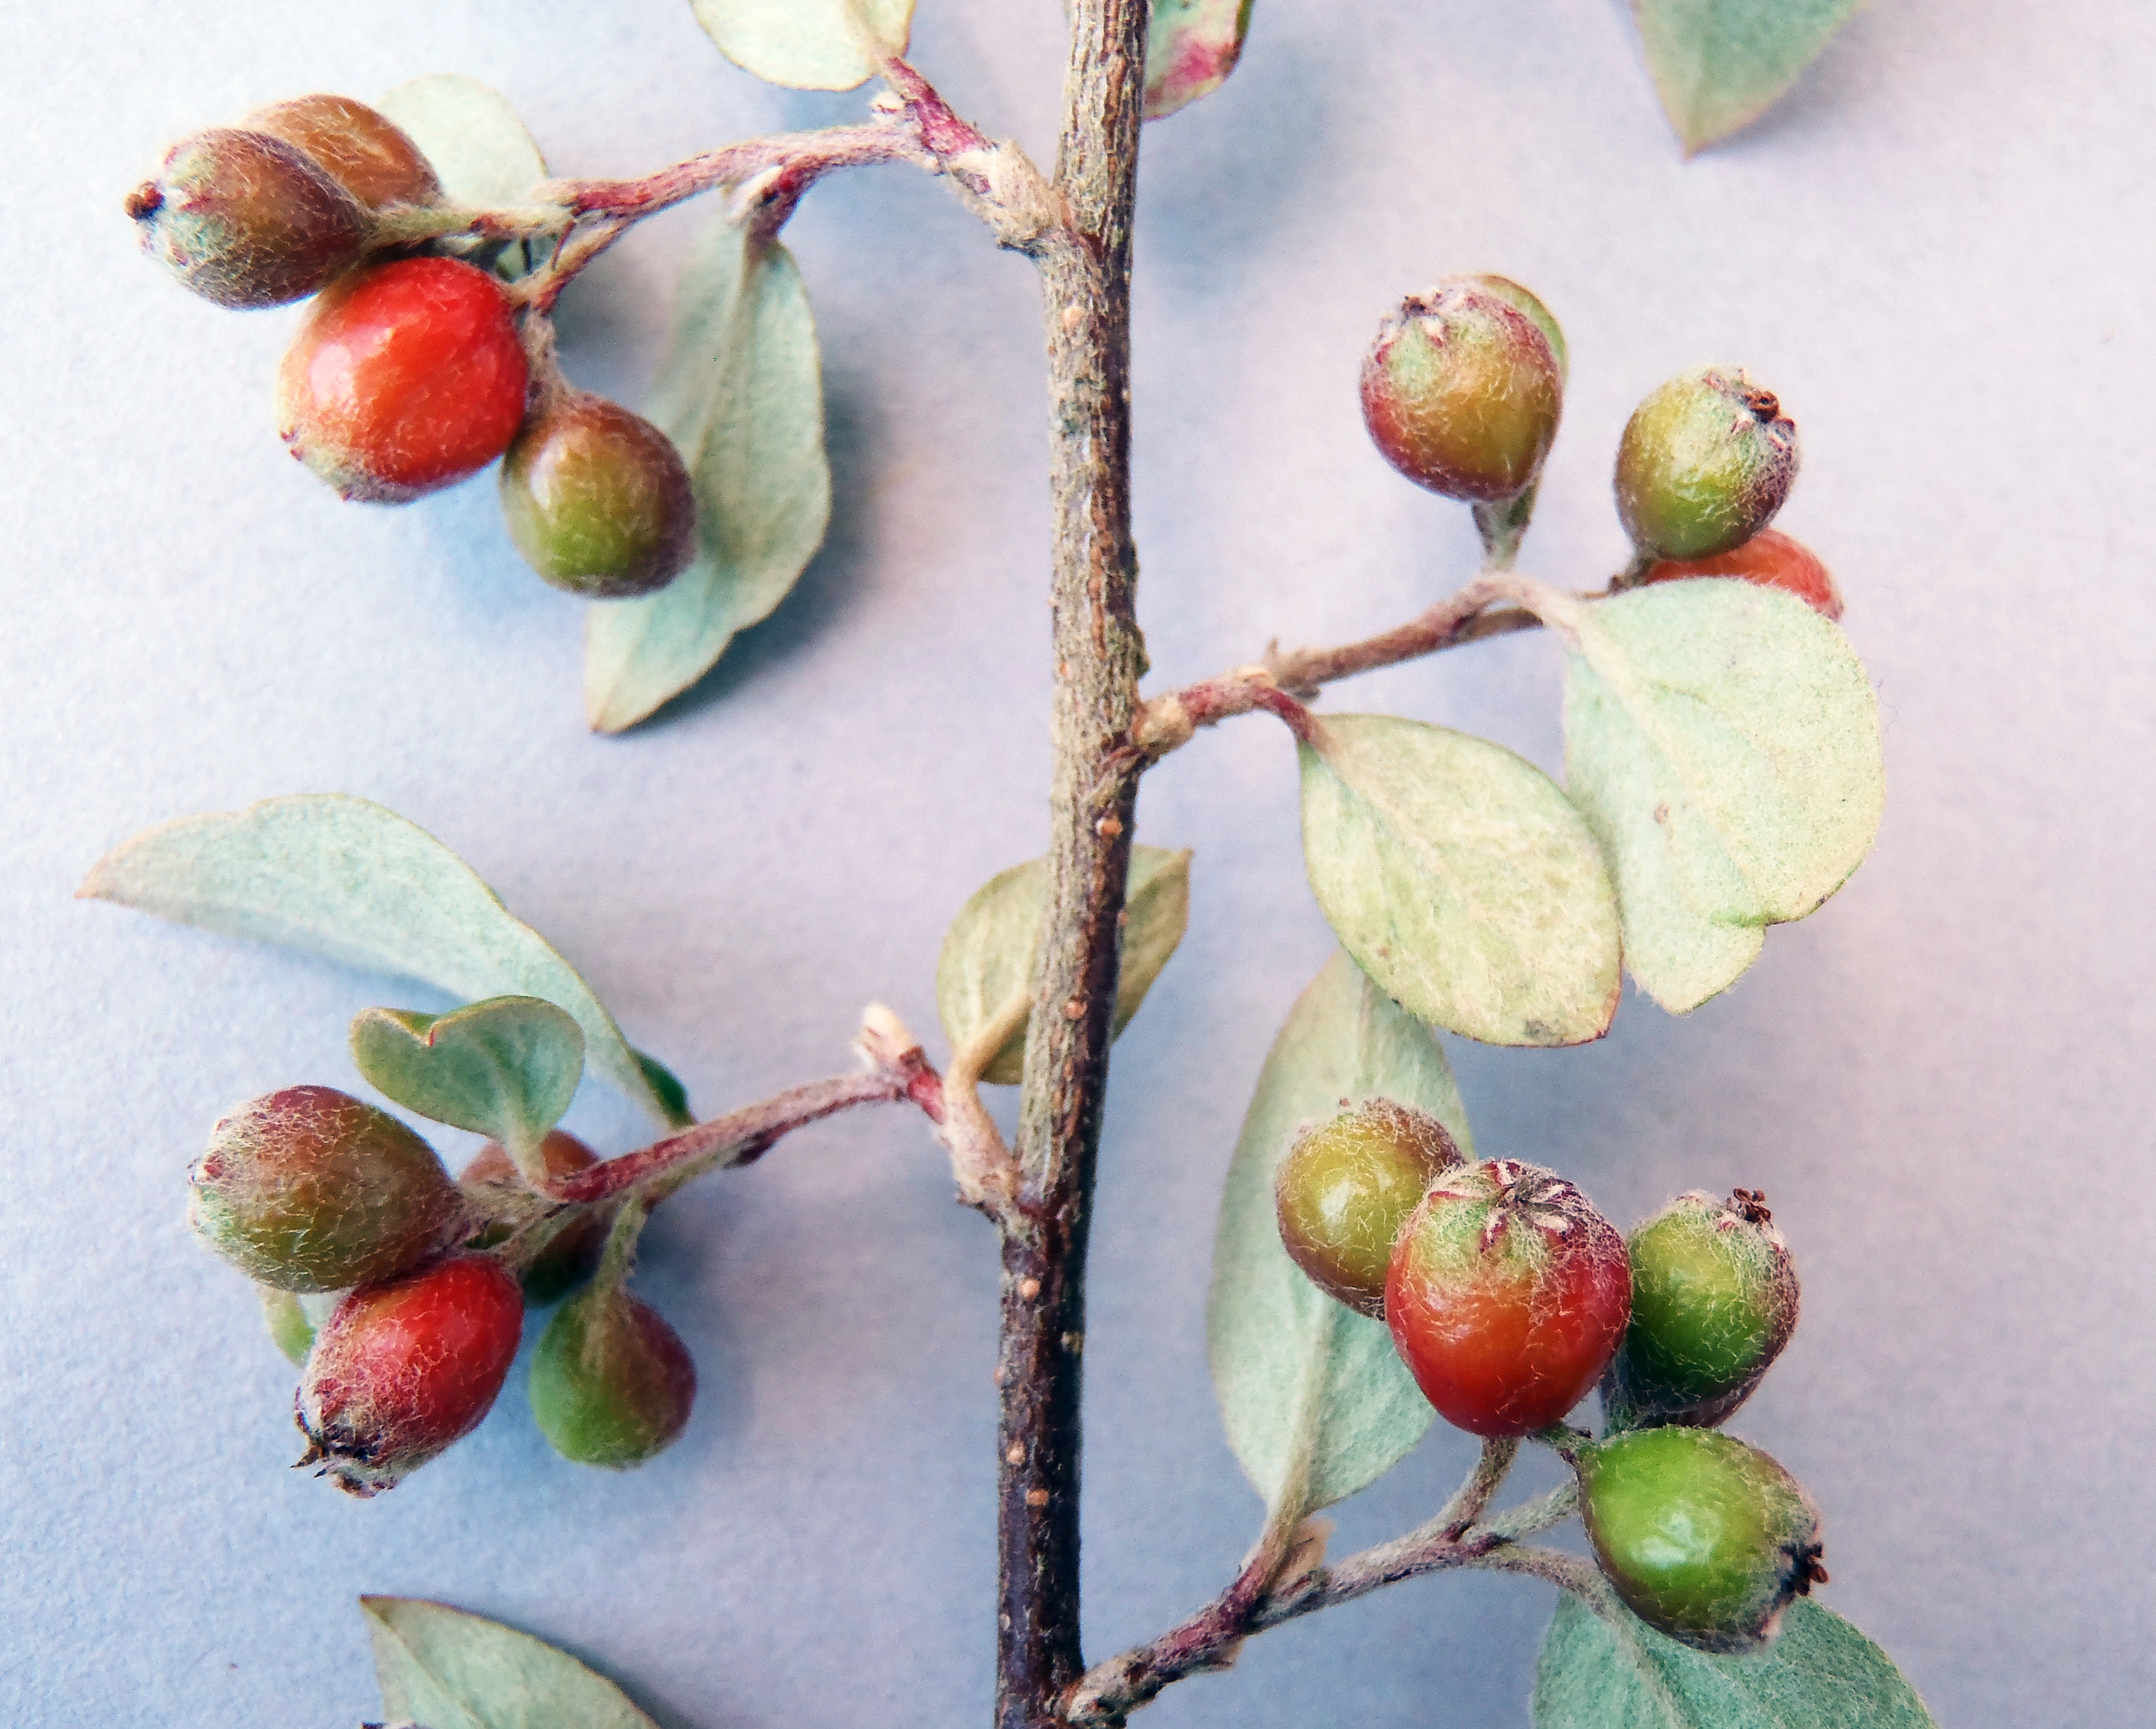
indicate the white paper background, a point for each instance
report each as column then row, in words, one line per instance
column 1939, row 251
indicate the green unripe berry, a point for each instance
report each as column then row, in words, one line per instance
column 1705, row 462
column 611, row 1384
column 248, row 220
column 596, row 499
column 310, row 1189
column 1714, row 1300
column 364, row 151
column 1461, row 390
column 1705, row 1539
column 1347, row 1188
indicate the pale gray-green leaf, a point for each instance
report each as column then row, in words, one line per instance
column 1718, row 65
column 740, row 393
column 1312, row 1393
column 989, row 954
column 342, row 878
column 1462, row 879
column 1192, row 47
column 1820, row 1674
column 807, row 44
column 448, row 1670
column 1723, row 742
column 507, row 1068
column 480, row 151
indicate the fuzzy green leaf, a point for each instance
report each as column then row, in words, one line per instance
column 1462, row 880
column 448, row 1670
column 741, row 395
column 807, row 44
column 991, row 952
column 507, row 1068
column 1719, row 64
column 1820, row 1674
column 1723, row 742
column 1312, row 1393
column 1191, row 48
column 480, row 149
column 342, row 878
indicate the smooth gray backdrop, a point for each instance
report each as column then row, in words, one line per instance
column 1939, row 251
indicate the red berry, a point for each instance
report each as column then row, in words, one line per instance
column 364, row 151
column 597, row 501
column 1506, row 1295
column 573, row 1253
column 1771, row 558
column 402, row 1370
column 406, row 377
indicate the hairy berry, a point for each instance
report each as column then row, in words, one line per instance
column 596, row 499
column 1346, row 1189
column 574, row 1252
column 364, row 151
column 1770, row 559
column 402, row 1370
column 1508, row 1292
column 1714, row 1300
column 248, row 220
column 1705, row 462
column 407, row 376
column 1705, row 1539
column 611, row 1384
column 1461, row 391
column 311, row 1190
column 1529, row 301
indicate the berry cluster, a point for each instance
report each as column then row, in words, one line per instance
column 1509, row 1298
column 414, row 368
column 312, row 1193
column 1462, row 390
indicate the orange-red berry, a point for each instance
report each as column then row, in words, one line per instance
column 1770, row 559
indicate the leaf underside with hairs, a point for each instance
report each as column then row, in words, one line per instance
column 1462, row 880
column 1191, row 47
column 1821, row 1673
column 1723, row 740
column 1316, row 1401
column 807, row 44
column 447, row 1669
column 991, row 954
column 1719, row 64
column 507, row 1068
column 740, row 393
column 345, row 878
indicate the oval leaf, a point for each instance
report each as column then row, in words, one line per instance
column 505, row 1068
column 1316, row 1401
column 741, row 395
column 1719, row 64
column 1821, row 1673
column 448, row 1669
column 1191, row 48
column 342, row 878
column 1723, row 742
column 807, row 44
column 986, row 971
column 1462, row 879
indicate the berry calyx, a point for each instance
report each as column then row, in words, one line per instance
column 247, row 220
column 1461, row 391
column 1770, row 559
column 402, row 1370
column 1705, row 462
column 596, row 499
column 1714, row 1300
column 612, row 1384
column 406, row 377
column 1506, row 1295
column 574, row 1252
column 360, row 148
column 1705, row 1539
column 309, row 1189
column 1346, row 1190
